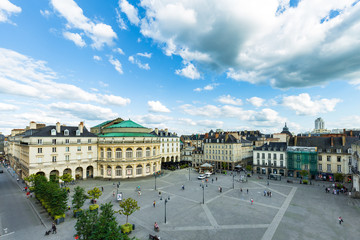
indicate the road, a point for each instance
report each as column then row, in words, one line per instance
column 16, row 214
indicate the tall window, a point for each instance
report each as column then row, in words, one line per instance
column 54, row 149
column 328, row 158
column 108, row 153
column 139, row 153
column 101, row 153
column 118, row 154
column 67, row 157
column 329, row 168
column 274, row 156
column 129, row 153
column 39, row 150
column 269, row 155
column 79, row 148
column 67, row 141
column 320, row 158
column 118, row 171
column 281, row 163
column 89, row 140
column 39, row 141
column 263, row 155
column 339, row 159
column 281, row 157
column 67, row 149
column 258, row 155
column 89, row 148
column 54, row 141
column 339, row 168
column 320, row 167
column 54, row 158
column 147, row 152
column 138, row 169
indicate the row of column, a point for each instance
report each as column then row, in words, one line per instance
column 111, row 172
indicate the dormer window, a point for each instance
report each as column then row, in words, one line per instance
column 53, row 132
column 78, row 132
column 66, row 132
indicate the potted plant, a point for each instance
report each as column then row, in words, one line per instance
column 128, row 207
column 94, row 193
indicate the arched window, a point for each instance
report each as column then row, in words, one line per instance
column 66, row 132
column 138, row 170
column 108, row 153
column 118, row 153
column 139, row 153
column 108, row 171
column 154, row 151
column 118, row 171
column 128, row 170
column 129, row 153
column 148, row 152
column 148, row 168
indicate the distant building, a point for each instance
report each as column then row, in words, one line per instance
column 319, row 124
column 270, row 158
column 170, row 145
column 355, row 167
column 301, row 158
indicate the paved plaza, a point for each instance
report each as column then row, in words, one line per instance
column 293, row 211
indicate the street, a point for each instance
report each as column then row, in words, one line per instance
column 16, row 214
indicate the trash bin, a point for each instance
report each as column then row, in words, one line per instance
column 133, row 227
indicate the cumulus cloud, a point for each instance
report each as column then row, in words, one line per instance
column 119, row 50
column 45, row 13
column 157, row 106
column 256, row 101
column 7, row 9
column 227, row 99
column 99, row 33
column 304, row 105
column 188, row 71
column 208, row 87
column 76, row 38
column 278, row 44
column 116, row 63
column 84, row 111
column 130, row 11
column 97, row 58
column 115, row 100
column 152, row 119
column 210, row 123
column 134, row 60
column 7, row 107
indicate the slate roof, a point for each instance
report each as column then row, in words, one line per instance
column 126, row 124
column 323, row 143
column 46, row 132
column 273, row 146
column 222, row 139
column 162, row 133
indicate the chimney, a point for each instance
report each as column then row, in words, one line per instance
column 343, row 140
column 351, row 133
column 206, row 135
column 295, row 140
column 58, row 127
column 156, row 131
column 332, row 141
column 81, row 127
column 226, row 137
column 216, row 135
column 166, row 131
column 32, row 125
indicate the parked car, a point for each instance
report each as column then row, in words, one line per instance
column 208, row 174
column 202, row 176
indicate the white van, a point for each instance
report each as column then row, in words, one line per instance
column 208, row 174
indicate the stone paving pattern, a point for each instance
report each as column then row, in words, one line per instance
column 293, row 212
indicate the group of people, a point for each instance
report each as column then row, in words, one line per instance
column 267, row 193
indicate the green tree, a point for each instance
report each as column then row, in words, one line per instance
column 106, row 226
column 95, row 193
column 304, row 173
column 66, row 178
column 79, row 197
column 248, row 168
column 339, row 177
column 224, row 165
column 85, row 225
column 128, row 207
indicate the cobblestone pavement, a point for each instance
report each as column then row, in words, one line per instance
column 293, row 211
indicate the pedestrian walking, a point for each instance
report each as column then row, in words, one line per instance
column 216, row 178
column 154, row 203
column 102, row 189
column 247, row 191
column 53, row 228
column 268, row 183
column 113, row 193
column 264, row 193
column 240, row 189
column 340, row 220
column 270, row 194
column 251, row 201
column 183, row 187
column 212, row 180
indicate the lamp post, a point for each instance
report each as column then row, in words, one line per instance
column 155, row 179
column 166, row 200
column 233, row 180
column 189, row 171
column 202, row 185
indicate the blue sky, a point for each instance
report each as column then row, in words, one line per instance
column 189, row 66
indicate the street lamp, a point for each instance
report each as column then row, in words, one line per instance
column 166, row 200
column 233, row 180
column 155, row 179
column 189, row 171
column 202, row 185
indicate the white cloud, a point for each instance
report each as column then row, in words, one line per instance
column 152, row 119
column 157, row 106
column 130, row 11
column 103, row 84
column 99, row 33
column 209, row 87
column 278, row 44
column 97, row 58
column 116, row 63
column 115, row 100
column 21, row 75
column 84, row 111
column 134, row 60
column 7, row 107
column 76, row 38
column 210, row 123
column 45, row 13
column 7, row 9
column 119, row 50
column 120, row 20
column 256, row 101
column 227, row 99
column 145, row 54
column 189, row 71
column 304, row 105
